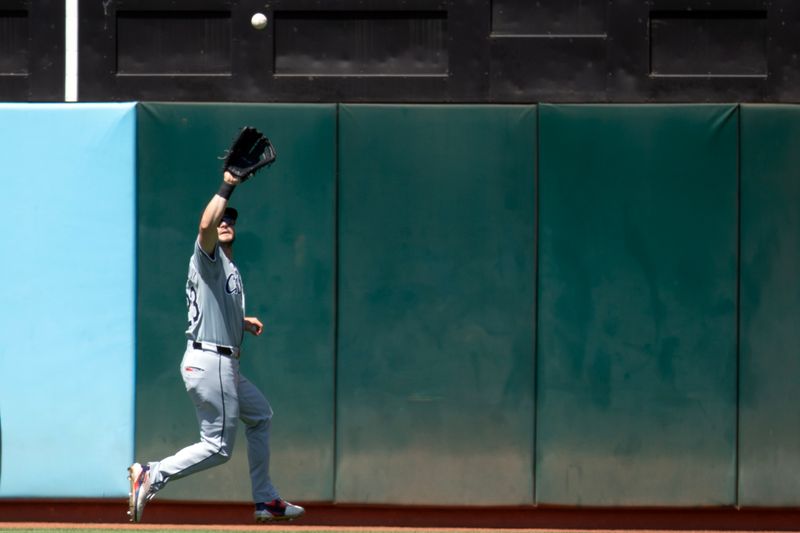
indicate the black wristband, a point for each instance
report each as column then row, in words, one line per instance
column 225, row 190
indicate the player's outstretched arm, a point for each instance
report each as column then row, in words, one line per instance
column 207, row 233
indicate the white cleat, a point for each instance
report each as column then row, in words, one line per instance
column 139, row 477
column 278, row 510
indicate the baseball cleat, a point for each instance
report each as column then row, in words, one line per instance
column 139, row 477
column 277, row 510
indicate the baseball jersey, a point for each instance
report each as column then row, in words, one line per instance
column 215, row 299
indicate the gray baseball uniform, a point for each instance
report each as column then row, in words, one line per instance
column 210, row 371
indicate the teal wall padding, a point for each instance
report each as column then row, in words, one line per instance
column 67, row 328
column 436, row 278
column 284, row 250
column 636, row 359
column 769, row 435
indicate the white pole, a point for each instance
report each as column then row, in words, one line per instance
column 71, row 52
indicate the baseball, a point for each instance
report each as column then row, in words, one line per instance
column 259, row 21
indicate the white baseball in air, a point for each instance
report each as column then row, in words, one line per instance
column 259, row 21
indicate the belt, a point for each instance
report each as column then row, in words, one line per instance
column 222, row 350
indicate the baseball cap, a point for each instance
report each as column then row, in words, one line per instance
column 230, row 215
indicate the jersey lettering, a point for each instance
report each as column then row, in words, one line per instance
column 233, row 285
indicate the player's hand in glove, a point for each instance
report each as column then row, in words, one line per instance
column 230, row 179
column 250, row 152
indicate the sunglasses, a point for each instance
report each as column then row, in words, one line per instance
column 228, row 220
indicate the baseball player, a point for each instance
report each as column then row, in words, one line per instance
column 210, row 369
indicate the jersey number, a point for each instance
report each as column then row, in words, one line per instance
column 191, row 302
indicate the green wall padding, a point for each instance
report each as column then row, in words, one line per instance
column 284, row 250
column 436, row 274
column 769, row 436
column 433, row 393
column 636, row 359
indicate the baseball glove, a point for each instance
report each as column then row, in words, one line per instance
column 250, row 152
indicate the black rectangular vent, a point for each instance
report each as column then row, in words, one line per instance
column 356, row 43
column 13, row 43
column 173, row 43
column 708, row 43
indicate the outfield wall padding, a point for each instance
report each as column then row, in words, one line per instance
column 68, row 293
column 284, row 250
column 769, row 438
column 636, row 353
column 436, row 280
column 575, row 306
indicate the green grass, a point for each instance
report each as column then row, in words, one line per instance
column 267, row 529
column 145, row 530
column 165, row 530
column 149, row 529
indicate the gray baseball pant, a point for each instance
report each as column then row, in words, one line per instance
column 221, row 396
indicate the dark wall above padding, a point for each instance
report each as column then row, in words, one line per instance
column 417, row 50
column 471, row 51
column 32, row 50
column 521, row 17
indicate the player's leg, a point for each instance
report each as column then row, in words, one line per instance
column 256, row 413
column 210, row 380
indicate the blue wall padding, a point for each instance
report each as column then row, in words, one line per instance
column 67, row 328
